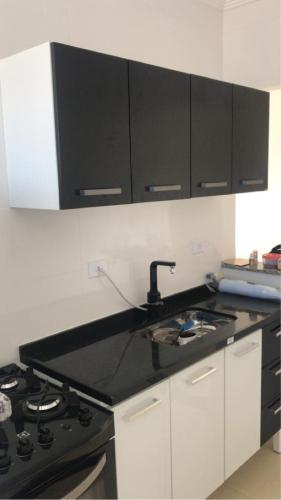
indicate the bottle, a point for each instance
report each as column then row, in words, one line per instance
column 255, row 256
column 251, row 261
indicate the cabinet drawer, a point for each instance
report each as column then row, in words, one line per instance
column 271, row 380
column 271, row 342
column 270, row 419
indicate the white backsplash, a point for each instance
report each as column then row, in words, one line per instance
column 44, row 285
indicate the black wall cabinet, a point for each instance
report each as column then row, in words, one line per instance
column 211, row 136
column 92, row 111
column 160, row 133
column 103, row 130
column 250, row 139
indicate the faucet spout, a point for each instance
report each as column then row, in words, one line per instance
column 154, row 296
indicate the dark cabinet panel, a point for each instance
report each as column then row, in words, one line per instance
column 271, row 343
column 160, row 133
column 250, row 139
column 271, row 381
column 270, row 420
column 92, row 113
column 211, row 136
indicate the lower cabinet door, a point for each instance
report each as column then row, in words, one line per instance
column 242, row 400
column 197, row 420
column 143, row 449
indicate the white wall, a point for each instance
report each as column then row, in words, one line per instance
column 258, row 223
column 251, row 44
column 43, row 256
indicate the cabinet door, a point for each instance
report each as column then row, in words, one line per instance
column 160, row 133
column 92, row 113
column 211, row 136
column 243, row 401
column 197, row 419
column 142, row 428
column 250, row 139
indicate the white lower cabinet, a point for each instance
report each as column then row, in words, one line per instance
column 242, row 400
column 197, row 428
column 183, row 437
column 143, row 453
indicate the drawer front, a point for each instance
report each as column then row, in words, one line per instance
column 271, row 382
column 271, row 340
column 270, row 420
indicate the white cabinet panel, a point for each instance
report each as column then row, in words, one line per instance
column 197, row 421
column 143, row 452
column 243, row 400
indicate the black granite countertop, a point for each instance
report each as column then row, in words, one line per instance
column 111, row 360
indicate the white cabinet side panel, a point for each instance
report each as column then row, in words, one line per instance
column 242, row 400
column 29, row 128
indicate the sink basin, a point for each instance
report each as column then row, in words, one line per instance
column 187, row 327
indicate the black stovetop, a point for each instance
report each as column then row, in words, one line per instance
column 112, row 358
column 47, row 422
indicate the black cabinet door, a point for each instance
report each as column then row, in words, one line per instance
column 211, row 136
column 92, row 115
column 160, row 133
column 250, row 139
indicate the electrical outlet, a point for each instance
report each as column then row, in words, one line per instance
column 197, row 247
column 93, row 266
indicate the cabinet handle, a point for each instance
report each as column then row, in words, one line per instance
column 159, row 189
column 277, row 410
column 201, row 377
column 100, row 191
column 133, row 416
column 278, row 334
column 251, row 347
column 278, row 372
column 251, row 182
column 210, row 185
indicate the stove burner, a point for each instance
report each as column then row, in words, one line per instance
column 17, row 382
column 9, row 384
column 50, row 404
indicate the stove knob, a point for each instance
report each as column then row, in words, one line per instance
column 45, row 436
column 5, row 462
column 25, row 447
column 85, row 416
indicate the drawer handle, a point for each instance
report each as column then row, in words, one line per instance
column 277, row 410
column 278, row 334
column 251, row 347
column 278, row 372
column 210, row 185
column 100, row 191
column 251, row 182
column 159, row 189
column 133, row 416
column 201, row 377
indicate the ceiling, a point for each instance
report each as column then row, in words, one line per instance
column 227, row 4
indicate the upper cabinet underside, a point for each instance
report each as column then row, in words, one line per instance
column 88, row 129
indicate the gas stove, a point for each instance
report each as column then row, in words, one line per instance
column 48, row 424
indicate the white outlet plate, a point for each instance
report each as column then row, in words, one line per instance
column 93, row 266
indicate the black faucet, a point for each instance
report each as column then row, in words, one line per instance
column 154, row 296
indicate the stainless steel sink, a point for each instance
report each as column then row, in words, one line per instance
column 187, row 327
